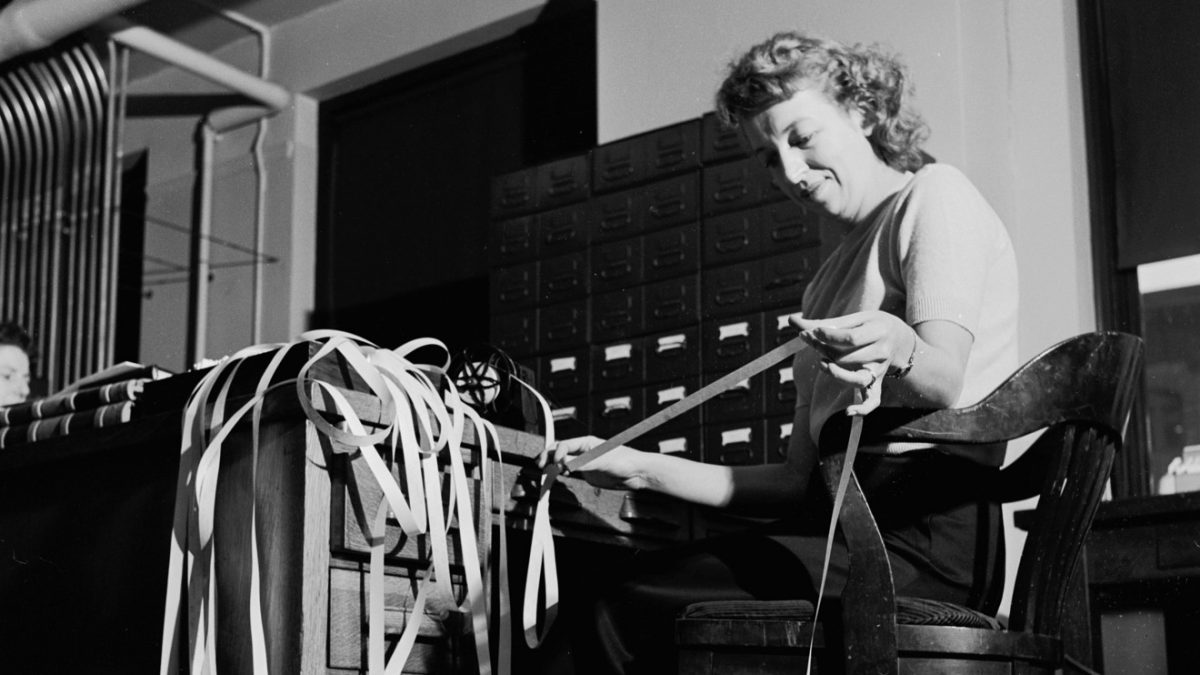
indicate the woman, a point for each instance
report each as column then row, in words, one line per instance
column 916, row 307
column 14, row 364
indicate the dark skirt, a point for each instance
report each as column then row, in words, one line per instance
column 943, row 534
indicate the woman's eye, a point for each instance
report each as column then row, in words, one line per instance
column 800, row 141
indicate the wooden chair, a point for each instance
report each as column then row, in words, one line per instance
column 1078, row 392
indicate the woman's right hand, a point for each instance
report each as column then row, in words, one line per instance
column 616, row 469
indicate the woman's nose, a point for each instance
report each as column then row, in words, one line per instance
column 793, row 165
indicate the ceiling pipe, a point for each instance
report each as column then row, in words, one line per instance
column 197, row 62
column 28, row 25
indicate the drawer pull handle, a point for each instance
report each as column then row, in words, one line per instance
column 732, row 242
column 617, row 170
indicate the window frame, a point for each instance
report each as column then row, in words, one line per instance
column 1117, row 296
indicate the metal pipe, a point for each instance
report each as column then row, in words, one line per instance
column 160, row 46
column 8, row 198
column 106, row 243
column 26, row 196
column 26, row 25
column 53, row 223
column 231, row 118
column 80, row 344
column 114, row 114
column 93, row 73
column 56, row 247
column 64, row 67
column 272, row 96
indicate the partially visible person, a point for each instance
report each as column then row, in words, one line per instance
column 14, row 363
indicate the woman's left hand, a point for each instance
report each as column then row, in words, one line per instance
column 858, row 349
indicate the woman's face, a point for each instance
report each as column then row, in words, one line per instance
column 820, row 155
column 14, row 375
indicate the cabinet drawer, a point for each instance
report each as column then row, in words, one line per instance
column 616, row 216
column 778, row 326
column 564, row 229
column 562, row 181
column 672, row 252
column 516, row 333
column 732, row 290
column 718, row 142
column 617, row 164
column 616, row 411
column 514, row 193
column 355, row 501
column 618, row 365
column 734, row 443
column 514, row 241
column 672, row 304
column 730, row 343
column 672, row 149
column 743, row 401
column 784, row 277
column 736, row 185
column 787, row 226
column 665, row 394
column 562, row 326
column 565, row 375
column 514, row 287
column 563, row 278
column 618, row 315
column 440, row 638
column 674, row 201
column 616, row 265
column 673, row 354
column 571, row 417
column 732, row 237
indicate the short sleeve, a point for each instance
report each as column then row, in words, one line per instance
column 947, row 240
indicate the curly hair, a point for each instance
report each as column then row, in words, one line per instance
column 856, row 77
column 13, row 334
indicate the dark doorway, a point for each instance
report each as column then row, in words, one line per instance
column 406, row 168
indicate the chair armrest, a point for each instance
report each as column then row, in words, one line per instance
column 1071, row 381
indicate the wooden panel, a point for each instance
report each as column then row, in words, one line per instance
column 1148, row 539
column 438, row 639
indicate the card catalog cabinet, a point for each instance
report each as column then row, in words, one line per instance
column 644, row 265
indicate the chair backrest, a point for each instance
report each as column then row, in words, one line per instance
column 1080, row 392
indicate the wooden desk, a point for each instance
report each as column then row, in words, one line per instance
column 1144, row 554
column 84, row 526
column 85, row 522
